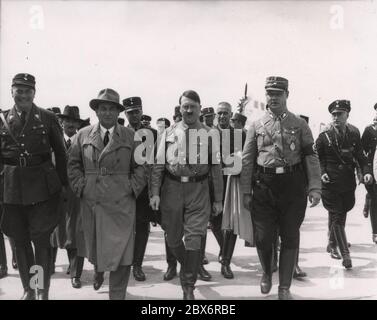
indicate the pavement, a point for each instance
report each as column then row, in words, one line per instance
column 326, row 279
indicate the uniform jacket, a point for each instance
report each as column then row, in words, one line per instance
column 108, row 181
column 369, row 142
column 178, row 164
column 40, row 136
column 339, row 158
column 279, row 141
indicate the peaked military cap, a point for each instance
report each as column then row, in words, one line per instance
column 340, row 105
column 24, row 79
column 106, row 95
column 132, row 103
column 276, row 83
column 167, row 122
column 146, row 118
column 208, row 111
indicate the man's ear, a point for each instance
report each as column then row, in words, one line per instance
column 287, row 93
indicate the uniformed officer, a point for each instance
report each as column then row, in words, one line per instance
column 180, row 178
column 278, row 152
column 146, row 120
column 209, row 116
column 338, row 147
column 177, row 117
column 238, row 121
column 31, row 183
column 71, row 121
column 369, row 142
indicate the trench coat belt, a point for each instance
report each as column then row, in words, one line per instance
column 103, row 171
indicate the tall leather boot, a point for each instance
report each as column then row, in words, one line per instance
column 275, row 253
column 141, row 240
column 287, row 263
column 341, row 239
column 215, row 225
column 332, row 247
column 180, row 254
column 204, row 239
column 227, row 253
column 265, row 258
column 171, row 272
column 13, row 248
column 25, row 259
column 118, row 282
column 3, row 258
column 367, row 204
column 190, row 270
column 43, row 256
column 203, row 274
column 53, row 259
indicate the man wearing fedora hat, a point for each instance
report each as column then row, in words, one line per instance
column 65, row 234
column 104, row 173
column 339, row 148
column 31, row 184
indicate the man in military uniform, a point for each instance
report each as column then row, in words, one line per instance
column 31, row 184
column 369, row 142
column 146, row 121
column 177, row 117
column 184, row 189
column 209, row 116
column 278, row 152
column 144, row 214
column 338, row 147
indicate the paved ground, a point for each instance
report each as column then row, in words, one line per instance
column 326, row 279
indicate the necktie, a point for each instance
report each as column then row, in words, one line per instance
column 68, row 143
column 106, row 138
column 23, row 118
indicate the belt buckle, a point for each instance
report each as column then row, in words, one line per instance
column 279, row 170
column 103, row 171
column 22, row 161
column 185, row 179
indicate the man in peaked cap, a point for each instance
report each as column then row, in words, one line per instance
column 66, row 234
column 338, row 147
column 144, row 213
column 177, row 114
column 146, row 121
column 104, row 173
column 209, row 116
column 369, row 142
column 32, row 184
column 278, row 153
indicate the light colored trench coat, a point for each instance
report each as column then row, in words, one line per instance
column 108, row 181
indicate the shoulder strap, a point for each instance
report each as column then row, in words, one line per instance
column 334, row 149
column 2, row 118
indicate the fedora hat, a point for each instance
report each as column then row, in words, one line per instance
column 71, row 113
column 106, row 95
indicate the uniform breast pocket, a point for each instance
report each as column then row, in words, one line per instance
column 292, row 137
column 261, row 138
column 38, row 136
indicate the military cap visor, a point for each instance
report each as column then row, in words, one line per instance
column 339, row 106
column 145, row 117
column 132, row 103
column 276, row 84
column 24, row 79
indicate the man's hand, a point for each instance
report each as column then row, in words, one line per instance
column 325, row 178
column 217, row 208
column 154, row 202
column 314, row 198
column 368, row 179
column 247, row 201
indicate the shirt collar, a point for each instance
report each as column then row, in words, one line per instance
column 66, row 138
column 103, row 129
column 280, row 117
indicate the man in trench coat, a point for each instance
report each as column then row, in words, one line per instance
column 103, row 173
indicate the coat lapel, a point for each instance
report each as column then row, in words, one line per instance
column 113, row 144
column 95, row 139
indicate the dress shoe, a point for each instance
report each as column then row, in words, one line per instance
column 284, row 294
column 3, row 271
column 226, row 271
column 266, row 283
column 375, row 238
column 170, row 273
column 28, row 295
column 98, row 280
column 334, row 253
column 205, row 260
column 76, row 283
column 347, row 262
column 138, row 273
column 204, row 274
column 188, row 294
column 298, row 273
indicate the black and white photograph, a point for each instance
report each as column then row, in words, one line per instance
column 188, row 150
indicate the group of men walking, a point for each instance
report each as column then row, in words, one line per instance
column 94, row 189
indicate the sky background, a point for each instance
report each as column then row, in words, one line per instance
column 158, row 49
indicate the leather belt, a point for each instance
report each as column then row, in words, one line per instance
column 280, row 170
column 185, row 179
column 26, row 161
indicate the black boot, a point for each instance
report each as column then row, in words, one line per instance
column 215, row 224
column 53, row 259
column 25, row 258
column 227, row 253
column 367, row 204
column 13, row 248
column 275, row 254
column 204, row 275
column 332, row 247
column 190, row 272
column 287, row 265
column 341, row 239
column 43, row 256
column 265, row 257
column 204, row 242
column 298, row 273
column 171, row 272
column 180, row 254
column 3, row 258
column 141, row 240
